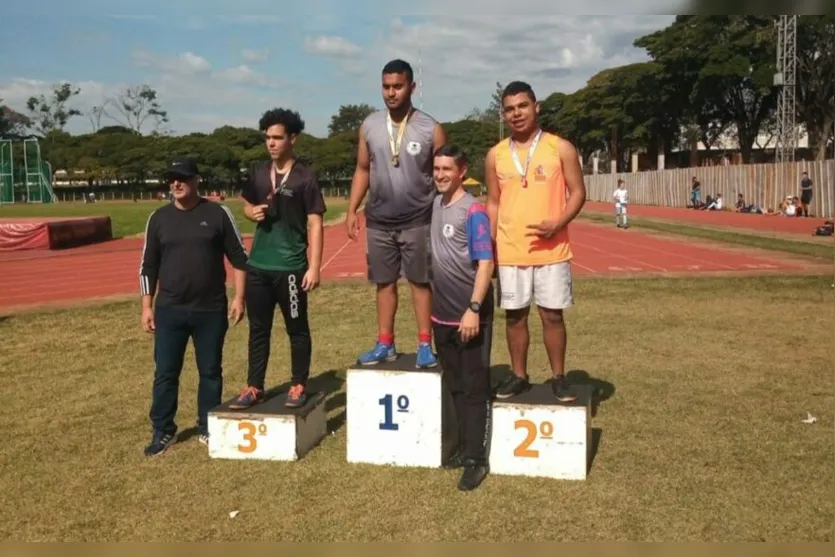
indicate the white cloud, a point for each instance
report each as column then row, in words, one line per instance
column 197, row 96
column 244, row 75
column 185, row 63
column 464, row 56
column 553, row 8
column 253, row 56
column 17, row 91
column 331, row 46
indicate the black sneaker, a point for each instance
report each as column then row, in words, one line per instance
column 562, row 389
column 455, row 461
column 512, row 385
column 474, row 474
column 160, row 444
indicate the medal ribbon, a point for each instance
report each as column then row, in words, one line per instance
column 283, row 179
column 401, row 131
column 524, row 171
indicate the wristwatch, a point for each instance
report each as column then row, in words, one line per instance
column 475, row 306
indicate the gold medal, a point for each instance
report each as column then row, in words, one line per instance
column 394, row 143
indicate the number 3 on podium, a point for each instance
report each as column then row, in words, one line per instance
column 545, row 430
column 250, row 430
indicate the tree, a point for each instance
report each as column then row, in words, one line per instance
column 815, row 89
column 477, row 115
column 723, row 68
column 549, row 110
column 134, row 106
column 492, row 114
column 349, row 118
column 52, row 113
column 5, row 125
column 95, row 117
column 11, row 122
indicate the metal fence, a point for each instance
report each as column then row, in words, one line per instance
column 763, row 184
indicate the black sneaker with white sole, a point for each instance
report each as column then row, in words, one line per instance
column 160, row 443
column 561, row 388
column 512, row 385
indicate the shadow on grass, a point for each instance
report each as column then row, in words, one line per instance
column 596, row 434
column 328, row 383
column 601, row 390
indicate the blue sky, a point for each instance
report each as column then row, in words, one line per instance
column 213, row 65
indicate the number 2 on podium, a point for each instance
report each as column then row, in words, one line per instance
column 545, row 430
column 388, row 412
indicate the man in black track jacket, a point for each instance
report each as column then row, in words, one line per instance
column 185, row 245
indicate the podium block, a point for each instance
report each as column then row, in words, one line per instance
column 398, row 415
column 267, row 431
column 534, row 434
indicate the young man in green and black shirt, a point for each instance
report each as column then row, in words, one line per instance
column 282, row 196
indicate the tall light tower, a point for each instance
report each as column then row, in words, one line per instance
column 785, row 79
column 420, row 78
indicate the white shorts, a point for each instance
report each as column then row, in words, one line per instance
column 620, row 209
column 549, row 286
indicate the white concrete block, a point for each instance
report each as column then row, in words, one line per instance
column 534, row 434
column 267, row 431
column 398, row 415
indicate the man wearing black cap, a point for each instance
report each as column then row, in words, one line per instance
column 183, row 254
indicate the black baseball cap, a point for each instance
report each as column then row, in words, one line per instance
column 182, row 168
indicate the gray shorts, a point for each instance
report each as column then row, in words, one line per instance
column 392, row 254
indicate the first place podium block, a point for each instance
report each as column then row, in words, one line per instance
column 534, row 434
column 267, row 431
column 399, row 415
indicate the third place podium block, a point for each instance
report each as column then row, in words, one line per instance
column 398, row 415
column 534, row 434
column 267, row 431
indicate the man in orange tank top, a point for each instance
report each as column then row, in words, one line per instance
column 535, row 189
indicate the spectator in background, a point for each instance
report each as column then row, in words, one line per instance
column 621, row 196
column 717, row 204
column 696, row 193
column 805, row 193
column 742, row 207
column 789, row 206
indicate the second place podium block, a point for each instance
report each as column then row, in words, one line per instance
column 399, row 415
column 533, row 434
column 267, row 431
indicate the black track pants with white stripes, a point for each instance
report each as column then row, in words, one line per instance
column 264, row 291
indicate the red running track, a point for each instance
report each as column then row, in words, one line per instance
column 34, row 278
column 805, row 226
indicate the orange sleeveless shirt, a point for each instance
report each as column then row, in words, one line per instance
column 544, row 198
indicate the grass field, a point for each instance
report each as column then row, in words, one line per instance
column 706, row 383
column 128, row 218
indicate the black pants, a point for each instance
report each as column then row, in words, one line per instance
column 207, row 329
column 265, row 290
column 466, row 372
